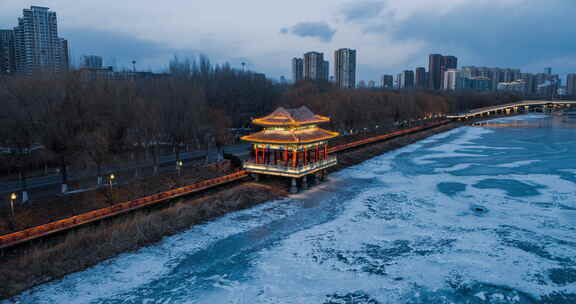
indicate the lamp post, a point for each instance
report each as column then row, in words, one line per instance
column 179, row 165
column 13, row 197
column 111, row 180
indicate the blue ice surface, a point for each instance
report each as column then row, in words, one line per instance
column 474, row 215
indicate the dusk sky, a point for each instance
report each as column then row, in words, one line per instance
column 389, row 36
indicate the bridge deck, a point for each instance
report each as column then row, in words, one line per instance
column 484, row 110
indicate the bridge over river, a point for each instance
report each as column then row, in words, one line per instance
column 517, row 107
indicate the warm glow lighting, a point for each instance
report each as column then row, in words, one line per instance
column 262, row 121
column 112, row 176
column 13, row 196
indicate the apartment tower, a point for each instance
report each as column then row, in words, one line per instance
column 314, row 65
column 7, row 59
column 297, row 69
column 420, row 78
column 345, row 68
column 37, row 45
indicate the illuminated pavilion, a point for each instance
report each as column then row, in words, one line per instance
column 291, row 145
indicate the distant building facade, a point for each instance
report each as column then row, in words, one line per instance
column 571, row 85
column 325, row 71
column 345, row 68
column 65, row 54
column 452, row 80
column 435, row 71
column 7, row 53
column 496, row 75
column 314, row 65
column 297, row 69
column 479, row 83
column 406, row 80
column 92, row 62
column 437, row 65
column 420, row 81
column 37, row 45
column 517, row 86
column 387, row 82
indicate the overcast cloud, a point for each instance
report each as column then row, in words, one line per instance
column 320, row 30
column 390, row 36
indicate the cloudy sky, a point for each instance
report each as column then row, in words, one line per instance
column 389, row 35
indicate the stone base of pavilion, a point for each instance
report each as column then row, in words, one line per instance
column 300, row 177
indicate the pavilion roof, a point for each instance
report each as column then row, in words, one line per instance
column 291, row 117
column 291, row 136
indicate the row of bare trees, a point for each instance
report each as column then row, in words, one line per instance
column 62, row 120
column 368, row 108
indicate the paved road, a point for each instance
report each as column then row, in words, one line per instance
column 46, row 186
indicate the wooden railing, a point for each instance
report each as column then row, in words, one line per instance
column 12, row 239
column 15, row 238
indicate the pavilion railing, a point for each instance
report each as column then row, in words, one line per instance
column 331, row 160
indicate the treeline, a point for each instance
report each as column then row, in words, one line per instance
column 194, row 107
column 62, row 120
column 367, row 108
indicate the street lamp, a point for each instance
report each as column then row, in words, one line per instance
column 13, row 197
column 179, row 165
column 111, row 179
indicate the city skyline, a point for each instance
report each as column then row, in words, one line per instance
column 403, row 41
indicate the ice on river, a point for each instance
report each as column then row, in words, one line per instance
column 473, row 215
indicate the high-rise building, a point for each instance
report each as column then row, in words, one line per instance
column 437, row 65
column 531, row 84
column 571, row 85
column 92, row 62
column 387, row 82
column 297, row 69
column 7, row 56
column 548, row 71
column 452, row 80
column 547, row 85
column 406, row 80
column 345, row 68
column 65, row 58
column 420, row 81
column 314, row 66
column 517, row 86
column 479, row 83
column 435, row 62
column 496, row 75
column 325, row 71
column 371, row 84
column 450, row 62
column 37, row 45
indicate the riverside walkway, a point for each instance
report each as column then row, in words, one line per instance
column 11, row 239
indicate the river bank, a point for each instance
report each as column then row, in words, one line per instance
column 43, row 262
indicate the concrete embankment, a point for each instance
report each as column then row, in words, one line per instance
column 40, row 262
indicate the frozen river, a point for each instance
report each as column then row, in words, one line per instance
column 474, row 215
